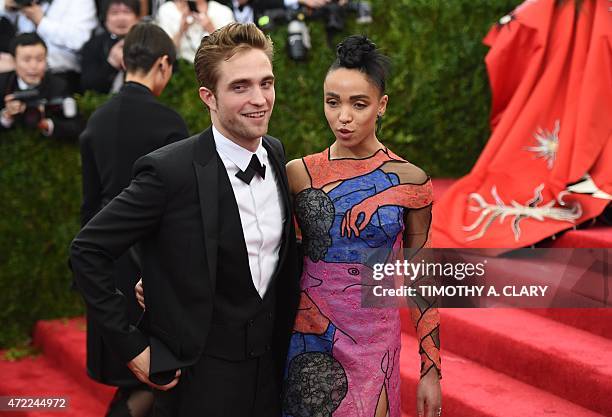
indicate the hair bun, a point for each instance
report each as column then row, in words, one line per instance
column 355, row 51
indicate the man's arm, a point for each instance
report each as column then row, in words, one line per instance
column 125, row 220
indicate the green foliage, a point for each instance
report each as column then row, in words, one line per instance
column 437, row 118
column 39, row 205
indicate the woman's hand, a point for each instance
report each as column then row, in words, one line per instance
column 429, row 395
column 349, row 222
column 139, row 290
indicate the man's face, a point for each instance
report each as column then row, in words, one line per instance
column 31, row 63
column 120, row 19
column 242, row 105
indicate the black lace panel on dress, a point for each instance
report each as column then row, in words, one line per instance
column 315, row 214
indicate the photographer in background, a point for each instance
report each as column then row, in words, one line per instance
column 34, row 98
column 188, row 21
column 102, row 55
column 247, row 11
column 65, row 26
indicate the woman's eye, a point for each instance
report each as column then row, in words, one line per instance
column 332, row 102
column 360, row 106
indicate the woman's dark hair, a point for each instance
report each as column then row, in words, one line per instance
column 144, row 44
column 360, row 53
column 25, row 39
column 133, row 5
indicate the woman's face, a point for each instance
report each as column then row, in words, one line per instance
column 120, row 19
column 352, row 103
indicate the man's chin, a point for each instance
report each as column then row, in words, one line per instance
column 258, row 131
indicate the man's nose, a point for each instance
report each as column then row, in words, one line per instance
column 257, row 97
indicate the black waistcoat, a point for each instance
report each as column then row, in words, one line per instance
column 242, row 323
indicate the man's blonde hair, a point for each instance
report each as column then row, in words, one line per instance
column 223, row 44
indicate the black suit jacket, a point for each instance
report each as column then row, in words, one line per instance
column 179, row 246
column 131, row 124
column 50, row 87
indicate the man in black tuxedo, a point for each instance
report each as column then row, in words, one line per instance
column 131, row 124
column 219, row 263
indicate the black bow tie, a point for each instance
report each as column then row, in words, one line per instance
column 254, row 167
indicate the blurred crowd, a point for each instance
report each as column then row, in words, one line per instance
column 52, row 49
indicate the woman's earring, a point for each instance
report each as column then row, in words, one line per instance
column 379, row 124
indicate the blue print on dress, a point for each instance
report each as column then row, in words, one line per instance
column 382, row 230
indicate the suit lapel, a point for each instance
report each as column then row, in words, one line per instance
column 206, row 169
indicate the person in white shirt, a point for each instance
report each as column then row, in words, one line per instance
column 65, row 26
column 187, row 27
column 248, row 11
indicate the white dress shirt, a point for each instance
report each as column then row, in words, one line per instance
column 65, row 27
column 260, row 206
column 169, row 19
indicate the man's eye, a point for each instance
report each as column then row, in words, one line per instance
column 239, row 88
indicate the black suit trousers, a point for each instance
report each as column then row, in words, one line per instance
column 214, row 387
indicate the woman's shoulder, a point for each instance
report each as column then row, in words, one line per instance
column 298, row 175
column 406, row 171
column 314, row 158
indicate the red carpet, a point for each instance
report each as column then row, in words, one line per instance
column 59, row 371
column 495, row 362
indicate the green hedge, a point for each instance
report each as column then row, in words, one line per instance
column 437, row 118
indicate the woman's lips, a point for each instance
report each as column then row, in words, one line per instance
column 345, row 133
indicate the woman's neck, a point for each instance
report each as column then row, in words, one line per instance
column 362, row 150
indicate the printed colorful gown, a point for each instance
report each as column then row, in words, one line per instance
column 344, row 358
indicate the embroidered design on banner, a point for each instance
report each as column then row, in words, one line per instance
column 547, row 144
column 532, row 209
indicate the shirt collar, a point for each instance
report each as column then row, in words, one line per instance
column 240, row 156
column 22, row 85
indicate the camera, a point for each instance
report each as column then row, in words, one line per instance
column 38, row 108
column 298, row 39
column 333, row 14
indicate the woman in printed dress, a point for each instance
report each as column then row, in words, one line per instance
column 357, row 203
